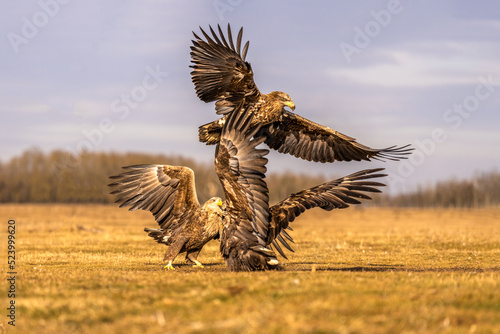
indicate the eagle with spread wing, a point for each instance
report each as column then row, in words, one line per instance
column 221, row 73
column 169, row 193
column 248, row 228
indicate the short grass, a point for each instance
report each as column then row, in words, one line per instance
column 92, row 269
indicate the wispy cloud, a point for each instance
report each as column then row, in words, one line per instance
column 450, row 63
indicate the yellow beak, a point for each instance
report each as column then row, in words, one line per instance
column 290, row 104
column 219, row 202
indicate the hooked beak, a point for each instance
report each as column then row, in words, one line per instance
column 219, row 202
column 290, row 104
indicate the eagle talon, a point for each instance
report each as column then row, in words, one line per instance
column 169, row 266
column 197, row 264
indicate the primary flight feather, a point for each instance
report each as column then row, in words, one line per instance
column 221, row 74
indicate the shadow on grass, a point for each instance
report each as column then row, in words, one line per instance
column 399, row 268
column 312, row 266
column 187, row 266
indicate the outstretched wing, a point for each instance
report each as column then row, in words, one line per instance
column 302, row 138
column 220, row 71
column 336, row 194
column 241, row 170
column 168, row 192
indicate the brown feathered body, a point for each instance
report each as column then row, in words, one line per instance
column 241, row 169
column 221, row 74
column 201, row 226
column 169, row 193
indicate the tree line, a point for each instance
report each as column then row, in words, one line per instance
column 482, row 190
column 63, row 177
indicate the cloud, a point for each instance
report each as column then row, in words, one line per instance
column 450, row 63
column 22, row 105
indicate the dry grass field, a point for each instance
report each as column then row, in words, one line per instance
column 92, row 269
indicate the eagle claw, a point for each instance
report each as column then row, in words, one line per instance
column 198, row 264
column 169, row 266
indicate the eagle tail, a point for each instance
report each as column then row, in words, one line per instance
column 157, row 234
column 253, row 259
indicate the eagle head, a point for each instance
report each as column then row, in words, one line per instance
column 214, row 206
column 282, row 98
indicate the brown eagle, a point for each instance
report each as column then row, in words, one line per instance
column 220, row 73
column 169, row 193
column 247, row 226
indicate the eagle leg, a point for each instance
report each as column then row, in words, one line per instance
column 191, row 257
column 172, row 252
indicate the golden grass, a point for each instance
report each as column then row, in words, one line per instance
column 92, row 269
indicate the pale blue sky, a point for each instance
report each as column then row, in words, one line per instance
column 114, row 76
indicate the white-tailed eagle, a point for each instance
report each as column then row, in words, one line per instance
column 221, row 73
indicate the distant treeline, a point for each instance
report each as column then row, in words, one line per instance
column 481, row 190
column 59, row 176
column 62, row 177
